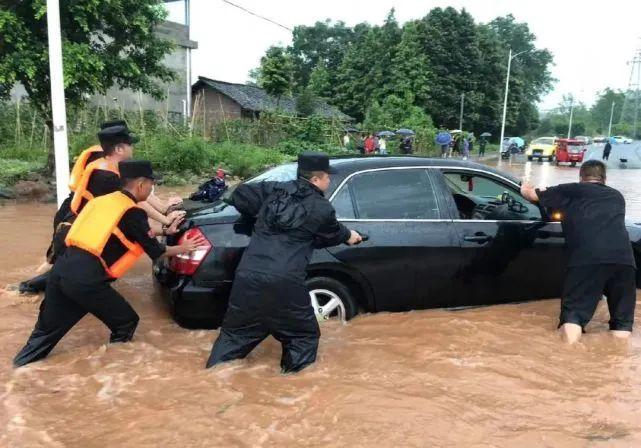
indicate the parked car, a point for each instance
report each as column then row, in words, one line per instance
column 442, row 233
column 541, row 148
column 600, row 139
column 570, row 151
column 621, row 139
column 583, row 139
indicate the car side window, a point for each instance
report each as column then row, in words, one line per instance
column 394, row 194
column 481, row 197
column 343, row 205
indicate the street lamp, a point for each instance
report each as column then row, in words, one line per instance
column 507, row 86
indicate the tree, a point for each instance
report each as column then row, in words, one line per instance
column 306, row 103
column 323, row 44
column 275, row 73
column 320, row 81
column 105, row 43
column 410, row 66
column 603, row 106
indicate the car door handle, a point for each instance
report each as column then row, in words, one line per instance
column 478, row 238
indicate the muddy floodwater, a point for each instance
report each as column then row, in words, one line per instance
column 487, row 377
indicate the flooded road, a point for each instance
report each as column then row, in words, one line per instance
column 486, row 377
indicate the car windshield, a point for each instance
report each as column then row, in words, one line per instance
column 543, row 141
column 281, row 173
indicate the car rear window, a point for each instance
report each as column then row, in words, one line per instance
column 544, row 141
column 281, row 173
column 392, row 194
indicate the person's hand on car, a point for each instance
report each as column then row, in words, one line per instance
column 354, row 238
column 173, row 227
column 192, row 244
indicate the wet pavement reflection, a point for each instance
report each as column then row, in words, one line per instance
column 485, row 377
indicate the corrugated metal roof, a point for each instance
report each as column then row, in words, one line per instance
column 255, row 99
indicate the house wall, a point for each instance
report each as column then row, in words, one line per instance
column 211, row 108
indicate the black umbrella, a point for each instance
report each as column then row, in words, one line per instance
column 486, row 134
column 404, row 131
column 352, row 130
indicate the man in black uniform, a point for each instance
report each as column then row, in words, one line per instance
column 269, row 294
column 601, row 260
column 113, row 233
column 606, row 150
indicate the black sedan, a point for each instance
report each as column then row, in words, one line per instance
column 442, row 233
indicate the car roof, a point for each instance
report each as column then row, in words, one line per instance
column 347, row 165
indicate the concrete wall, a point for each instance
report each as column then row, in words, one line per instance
column 211, row 107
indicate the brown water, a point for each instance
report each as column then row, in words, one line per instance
column 487, row 377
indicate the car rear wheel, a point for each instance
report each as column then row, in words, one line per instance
column 331, row 299
column 529, row 158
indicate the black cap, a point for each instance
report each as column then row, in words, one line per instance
column 108, row 124
column 314, row 161
column 117, row 134
column 133, row 169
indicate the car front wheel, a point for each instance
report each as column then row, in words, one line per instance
column 331, row 299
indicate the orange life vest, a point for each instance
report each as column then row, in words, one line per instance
column 80, row 165
column 96, row 223
column 81, row 188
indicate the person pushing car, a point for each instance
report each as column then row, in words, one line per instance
column 104, row 242
column 269, row 296
column 601, row 260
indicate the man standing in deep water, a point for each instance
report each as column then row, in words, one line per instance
column 601, row 260
column 269, row 296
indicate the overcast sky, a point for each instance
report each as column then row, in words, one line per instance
column 592, row 41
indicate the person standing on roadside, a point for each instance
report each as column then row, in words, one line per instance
column 601, row 260
column 382, row 145
column 482, row 145
column 606, row 150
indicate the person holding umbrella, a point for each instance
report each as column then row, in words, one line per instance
column 483, row 143
column 443, row 139
column 406, row 142
column 382, row 143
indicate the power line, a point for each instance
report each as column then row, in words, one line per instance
column 256, row 15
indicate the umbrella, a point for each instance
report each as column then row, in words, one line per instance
column 385, row 134
column 351, row 130
column 455, row 131
column 519, row 141
column 404, row 131
column 443, row 138
column 486, row 134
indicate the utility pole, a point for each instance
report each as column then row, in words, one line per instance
column 571, row 112
column 460, row 123
column 637, row 62
column 507, row 88
column 59, row 112
column 610, row 125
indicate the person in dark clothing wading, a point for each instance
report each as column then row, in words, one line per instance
column 107, row 238
column 601, row 260
column 606, row 150
column 269, row 296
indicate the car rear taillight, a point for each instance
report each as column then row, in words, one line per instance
column 186, row 264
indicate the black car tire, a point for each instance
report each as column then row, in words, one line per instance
column 529, row 158
column 338, row 288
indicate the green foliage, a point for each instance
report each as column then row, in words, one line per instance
column 105, row 42
column 320, row 81
column 435, row 59
column 306, row 103
column 275, row 73
column 13, row 170
column 397, row 113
